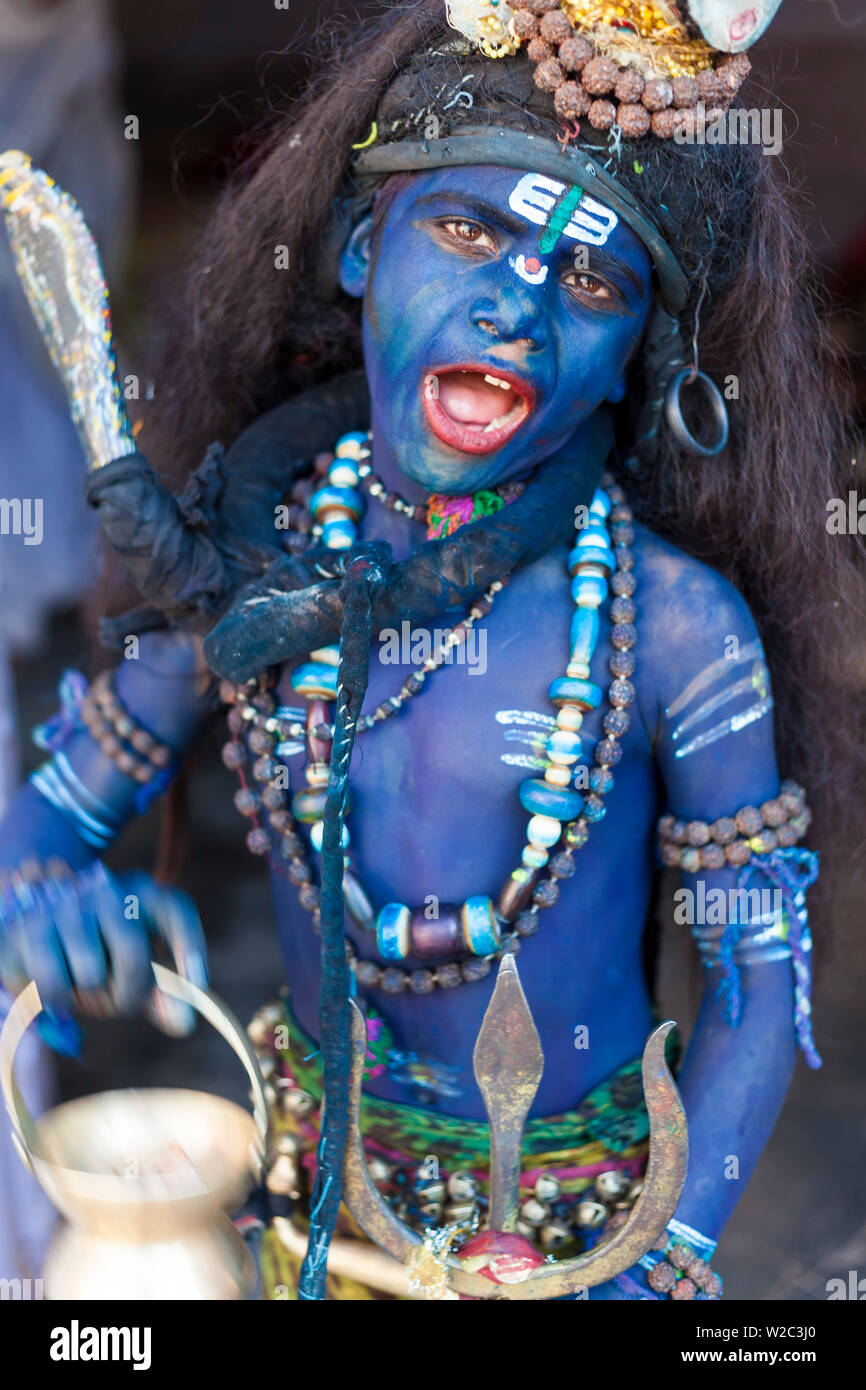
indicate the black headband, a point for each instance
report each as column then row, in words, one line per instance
column 517, row 149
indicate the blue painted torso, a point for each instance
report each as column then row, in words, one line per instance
column 436, row 812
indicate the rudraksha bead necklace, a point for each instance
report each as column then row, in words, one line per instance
column 560, row 817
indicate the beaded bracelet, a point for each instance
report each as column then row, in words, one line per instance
column 759, row 841
column 678, row 1265
column 131, row 747
column 684, row 1275
column 732, row 840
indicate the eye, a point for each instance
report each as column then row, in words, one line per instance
column 461, row 234
column 591, row 289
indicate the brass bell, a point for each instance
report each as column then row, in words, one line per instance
column 284, row 1176
column 459, row 1212
column 635, row 1190
column 524, row 1229
column 554, row 1234
column 287, row 1144
column 260, row 1034
column 547, row 1187
column 534, row 1212
column 590, row 1216
column 612, row 1185
column 260, row 1030
column 297, row 1102
column 431, row 1211
column 430, row 1190
column 462, row 1187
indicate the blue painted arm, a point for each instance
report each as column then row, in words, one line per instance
column 714, row 744
column 87, row 937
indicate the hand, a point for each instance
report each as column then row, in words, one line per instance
column 90, row 940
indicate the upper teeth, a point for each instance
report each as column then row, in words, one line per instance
column 496, row 381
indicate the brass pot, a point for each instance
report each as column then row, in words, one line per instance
column 143, row 1178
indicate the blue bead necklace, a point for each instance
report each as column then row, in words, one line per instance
column 559, row 814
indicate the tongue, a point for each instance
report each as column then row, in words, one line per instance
column 471, row 400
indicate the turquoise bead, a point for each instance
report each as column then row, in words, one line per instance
column 543, row 831
column 339, row 534
column 392, row 931
column 541, row 799
column 480, row 927
column 315, row 681
column 600, row 504
column 589, row 590
column 348, row 497
column 309, row 805
column 344, row 473
column 593, row 534
column 533, row 857
column 561, row 741
column 592, row 555
column 317, row 832
column 568, row 689
column 584, row 634
column 350, row 445
column 328, row 656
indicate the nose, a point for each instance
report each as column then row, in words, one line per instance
column 512, row 317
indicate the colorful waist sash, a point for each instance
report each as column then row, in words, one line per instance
column 434, row 1168
column 611, row 1118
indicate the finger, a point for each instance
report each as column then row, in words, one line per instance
column 78, row 930
column 174, row 919
column 42, row 955
column 130, row 975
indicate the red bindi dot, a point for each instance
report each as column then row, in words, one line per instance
column 533, row 265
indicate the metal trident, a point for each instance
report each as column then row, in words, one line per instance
column 508, row 1063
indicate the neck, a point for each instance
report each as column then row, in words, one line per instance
column 386, row 468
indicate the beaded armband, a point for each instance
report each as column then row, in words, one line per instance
column 121, row 737
column 764, row 918
column 133, row 750
column 732, row 840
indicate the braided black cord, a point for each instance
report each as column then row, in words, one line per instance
column 364, row 578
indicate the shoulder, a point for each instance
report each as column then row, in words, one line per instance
column 689, row 617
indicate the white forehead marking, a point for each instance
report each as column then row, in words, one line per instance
column 537, row 277
column 535, row 196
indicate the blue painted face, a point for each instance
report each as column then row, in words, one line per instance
column 488, row 338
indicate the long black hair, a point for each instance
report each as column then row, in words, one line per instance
column 246, row 335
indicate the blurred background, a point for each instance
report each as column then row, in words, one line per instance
column 194, row 82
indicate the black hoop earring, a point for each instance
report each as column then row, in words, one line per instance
column 674, row 413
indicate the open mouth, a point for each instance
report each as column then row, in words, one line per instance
column 474, row 409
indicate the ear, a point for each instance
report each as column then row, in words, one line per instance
column 617, row 390
column 355, row 260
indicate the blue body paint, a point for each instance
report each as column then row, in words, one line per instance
column 436, row 806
